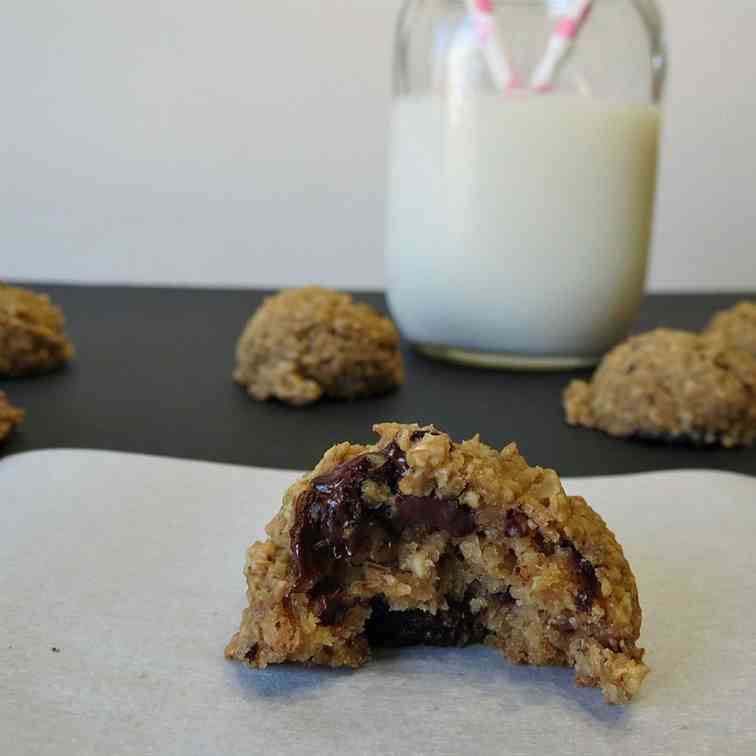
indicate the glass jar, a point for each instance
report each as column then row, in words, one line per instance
column 522, row 174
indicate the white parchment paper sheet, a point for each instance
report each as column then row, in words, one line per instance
column 131, row 566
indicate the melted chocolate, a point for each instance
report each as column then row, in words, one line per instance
column 437, row 514
column 456, row 626
column 328, row 520
column 329, row 602
column 345, row 475
column 395, row 467
column 332, row 521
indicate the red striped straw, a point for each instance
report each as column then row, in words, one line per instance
column 560, row 44
column 496, row 57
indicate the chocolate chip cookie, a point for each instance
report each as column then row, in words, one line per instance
column 737, row 326
column 672, row 386
column 303, row 344
column 418, row 539
column 32, row 337
column 10, row 417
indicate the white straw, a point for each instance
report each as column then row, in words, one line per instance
column 496, row 57
column 560, row 43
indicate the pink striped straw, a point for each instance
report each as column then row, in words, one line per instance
column 496, row 57
column 560, row 43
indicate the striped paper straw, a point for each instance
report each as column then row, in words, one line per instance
column 496, row 57
column 560, row 43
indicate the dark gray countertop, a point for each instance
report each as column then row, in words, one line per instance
column 153, row 375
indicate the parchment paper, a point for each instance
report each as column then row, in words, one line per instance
column 131, row 567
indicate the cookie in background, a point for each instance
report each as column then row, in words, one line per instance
column 672, row 386
column 10, row 417
column 32, row 333
column 737, row 326
column 304, row 344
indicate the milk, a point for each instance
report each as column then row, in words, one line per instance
column 519, row 224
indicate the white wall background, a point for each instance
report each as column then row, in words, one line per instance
column 241, row 142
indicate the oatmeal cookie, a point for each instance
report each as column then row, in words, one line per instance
column 673, row 386
column 737, row 326
column 32, row 339
column 10, row 417
column 418, row 539
column 303, row 344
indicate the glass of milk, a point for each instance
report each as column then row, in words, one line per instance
column 522, row 172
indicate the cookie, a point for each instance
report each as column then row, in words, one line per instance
column 421, row 540
column 303, row 344
column 737, row 326
column 671, row 386
column 32, row 339
column 10, row 417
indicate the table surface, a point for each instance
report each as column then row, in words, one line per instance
column 153, row 375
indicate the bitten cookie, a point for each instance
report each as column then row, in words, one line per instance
column 672, row 386
column 421, row 540
column 32, row 339
column 303, row 344
column 737, row 326
column 10, row 417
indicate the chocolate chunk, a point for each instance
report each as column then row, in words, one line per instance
column 394, row 467
column 583, row 601
column 505, row 596
column 516, row 525
column 347, row 474
column 329, row 603
column 584, row 566
column 590, row 587
column 327, row 519
column 544, row 546
column 437, row 514
column 563, row 623
column 456, row 626
column 332, row 521
column 251, row 655
column 332, row 611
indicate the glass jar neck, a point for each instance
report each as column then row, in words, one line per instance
column 614, row 52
